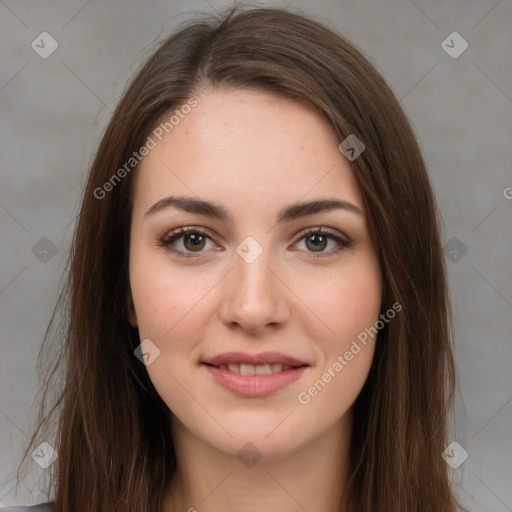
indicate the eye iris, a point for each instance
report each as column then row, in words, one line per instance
column 197, row 240
column 320, row 243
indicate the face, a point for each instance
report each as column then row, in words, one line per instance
column 248, row 273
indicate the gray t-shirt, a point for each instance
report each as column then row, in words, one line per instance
column 42, row 507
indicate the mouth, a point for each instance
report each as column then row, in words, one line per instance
column 251, row 369
column 254, row 375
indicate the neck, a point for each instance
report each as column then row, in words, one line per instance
column 311, row 478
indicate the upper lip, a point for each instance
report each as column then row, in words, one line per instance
column 254, row 359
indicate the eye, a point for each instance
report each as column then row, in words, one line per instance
column 316, row 239
column 194, row 241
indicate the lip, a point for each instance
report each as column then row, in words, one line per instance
column 254, row 359
column 254, row 385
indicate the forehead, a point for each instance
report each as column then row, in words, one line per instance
column 245, row 144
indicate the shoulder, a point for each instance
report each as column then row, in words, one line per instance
column 42, row 507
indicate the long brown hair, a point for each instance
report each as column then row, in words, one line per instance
column 114, row 443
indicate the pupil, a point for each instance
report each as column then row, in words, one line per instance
column 320, row 239
column 196, row 240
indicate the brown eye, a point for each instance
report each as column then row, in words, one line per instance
column 194, row 241
column 317, row 240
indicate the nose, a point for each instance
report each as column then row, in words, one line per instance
column 254, row 297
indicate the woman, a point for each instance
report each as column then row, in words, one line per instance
column 257, row 299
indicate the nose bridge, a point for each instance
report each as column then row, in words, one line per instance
column 252, row 276
column 253, row 297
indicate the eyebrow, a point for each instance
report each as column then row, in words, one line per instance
column 217, row 211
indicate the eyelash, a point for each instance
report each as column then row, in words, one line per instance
column 171, row 237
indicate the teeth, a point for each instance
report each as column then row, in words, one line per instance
column 250, row 369
column 247, row 369
column 263, row 369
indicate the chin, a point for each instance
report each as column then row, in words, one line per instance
column 258, row 448
column 269, row 440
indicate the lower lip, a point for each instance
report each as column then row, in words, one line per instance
column 255, row 385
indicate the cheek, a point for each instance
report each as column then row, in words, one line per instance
column 346, row 301
column 346, row 360
column 333, row 391
column 167, row 305
column 165, row 300
column 171, row 309
column 348, row 305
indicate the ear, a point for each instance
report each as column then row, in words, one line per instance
column 130, row 308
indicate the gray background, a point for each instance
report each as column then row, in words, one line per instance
column 53, row 112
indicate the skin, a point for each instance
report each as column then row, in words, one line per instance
column 254, row 154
